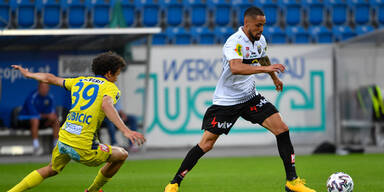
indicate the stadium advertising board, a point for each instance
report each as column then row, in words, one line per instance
column 183, row 79
column 16, row 88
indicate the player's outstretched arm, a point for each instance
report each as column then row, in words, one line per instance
column 264, row 61
column 239, row 68
column 43, row 77
column 114, row 117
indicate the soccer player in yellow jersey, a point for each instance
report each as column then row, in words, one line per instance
column 93, row 98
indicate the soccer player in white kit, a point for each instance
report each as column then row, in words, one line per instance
column 236, row 96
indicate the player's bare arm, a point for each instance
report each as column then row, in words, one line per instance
column 43, row 77
column 114, row 117
column 264, row 61
column 239, row 68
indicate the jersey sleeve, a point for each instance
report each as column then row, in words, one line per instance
column 113, row 92
column 68, row 83
column 233, row 49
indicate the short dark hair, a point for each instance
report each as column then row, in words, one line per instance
column 108, row 61
column 253, row 11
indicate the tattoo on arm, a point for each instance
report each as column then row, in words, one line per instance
column 264, row 61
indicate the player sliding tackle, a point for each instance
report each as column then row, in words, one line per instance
column 93, row 98
column 236, row 96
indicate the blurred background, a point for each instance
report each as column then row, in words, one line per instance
column 332, row 50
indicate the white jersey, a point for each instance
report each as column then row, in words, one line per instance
column 234, row 89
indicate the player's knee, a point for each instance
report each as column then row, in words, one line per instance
column 282, row 129
column 53, row 173
column 206, row 146
column 123, row 154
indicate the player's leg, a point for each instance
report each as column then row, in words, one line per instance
column 259, row 110
column 275, row 124
column 206, row 144
column 34, row 178
column 115, row 161
column 217, row 120
column 37, row 176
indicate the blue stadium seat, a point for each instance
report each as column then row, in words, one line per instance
column 378, row 6
column 321, row 34
column 338, row 10
column 159, row 39
column 342, row 33
column 315, row 11
column 52, row 13
column 222, row 34
column 298, row 34
column 292, row 12
column 129, row 11
column 100, row 11
column 76, row 13
column 222, row 12
column 5, row 14
column 26, row 14
column 198, row 12
column 271, row 11
column 150, row 12
column 240, row 6
column 178, row 36
column 174, row 12
column 360, row 10
column 362, row 29
column 203, row 35
column 275, row 34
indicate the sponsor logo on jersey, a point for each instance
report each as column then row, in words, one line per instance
column 104, row 147
column 93, row 80
column 79, row 117
column 238, row 50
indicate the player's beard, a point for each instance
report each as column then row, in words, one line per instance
column 253, row 37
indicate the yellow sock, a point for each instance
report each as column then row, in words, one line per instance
column 99, row 181
column 31, row 180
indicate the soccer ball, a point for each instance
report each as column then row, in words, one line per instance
column 340, row 182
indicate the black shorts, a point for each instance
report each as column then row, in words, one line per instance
column 220, row 119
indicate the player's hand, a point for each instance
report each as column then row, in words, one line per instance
column 279, row 68
column 135, row 137
column 279, row 84
column 23, row 71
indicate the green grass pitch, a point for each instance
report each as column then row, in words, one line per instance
column 262, row 174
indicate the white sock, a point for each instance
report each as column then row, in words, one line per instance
column 36, row 143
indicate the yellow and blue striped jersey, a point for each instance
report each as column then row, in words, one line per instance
column 86, row 114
